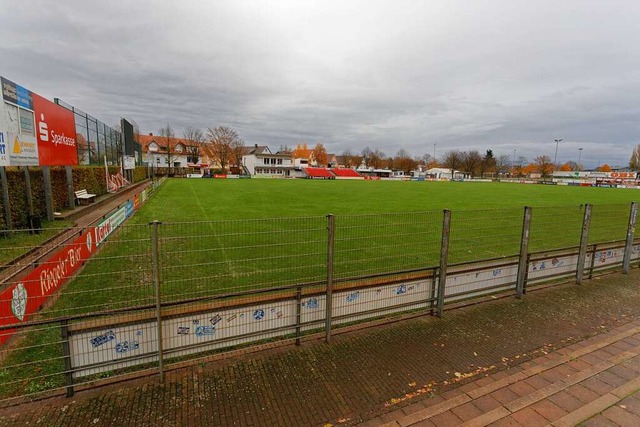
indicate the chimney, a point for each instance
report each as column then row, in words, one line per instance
column 256, row 145
column 150, row 133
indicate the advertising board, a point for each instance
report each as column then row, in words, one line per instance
column 36, row 131
column 19, row 302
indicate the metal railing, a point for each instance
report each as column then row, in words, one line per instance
column 160, row 294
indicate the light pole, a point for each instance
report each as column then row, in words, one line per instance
column 513, row 162
column 555, row 158
column 434, row 151
column 579, row 156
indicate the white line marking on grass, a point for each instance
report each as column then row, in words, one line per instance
column 232, row 271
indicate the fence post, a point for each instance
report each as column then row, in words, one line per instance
column 631, row 228
column 330, row 241
column 523, row 262
column 66, row 354
column 584, row 241
column 155, row 255
column 27, row 184
column 70, row 194
column 48, row 195
column 5, row 198
column 298, row 313
column 593, row 261
column 444, row 257
column 432, row 297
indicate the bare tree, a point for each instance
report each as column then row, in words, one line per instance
column 452, row 159
column 167, row 138
column 488, row 164
column 194, row 138
column 225, row 144
column 634, row 161
column 366, row 155
column 347, row 158
column 471, row 162
column 573, row 165
column 376, row 159
column 404, row 162
column 503, row 163
column 284, row 149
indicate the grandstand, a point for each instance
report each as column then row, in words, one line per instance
column 346, row 174
column 318, row 173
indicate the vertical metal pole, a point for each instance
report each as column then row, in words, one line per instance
column 523, row 264
column 48, row 197
column 631, row 228
column 66, row 353
column 155, row 256
column 593, row 261
column 329, row 297
column 27, row 184
column 298, row 313
column 5, row 198
column 584, row 241
column 432, row 304
column 444, row 257
column 70, row 189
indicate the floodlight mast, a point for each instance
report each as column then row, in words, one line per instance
column 555, row 158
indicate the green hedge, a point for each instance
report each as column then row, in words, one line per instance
column 91, row 178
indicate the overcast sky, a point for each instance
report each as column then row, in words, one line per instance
column 501, row 74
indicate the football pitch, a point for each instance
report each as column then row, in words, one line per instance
column 224, row 236
column 213, row 199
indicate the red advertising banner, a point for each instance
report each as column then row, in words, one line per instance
column 20, row 301
column 56, row 131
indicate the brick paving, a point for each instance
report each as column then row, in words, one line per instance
column 563, row 356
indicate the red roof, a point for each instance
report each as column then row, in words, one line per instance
column 318, row 173
column 348, row 173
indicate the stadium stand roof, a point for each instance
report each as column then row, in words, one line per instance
column 346, row 173
column 318, row 173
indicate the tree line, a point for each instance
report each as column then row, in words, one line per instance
column 224, row 146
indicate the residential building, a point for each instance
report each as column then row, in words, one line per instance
column 176, row 153
column 260, row 162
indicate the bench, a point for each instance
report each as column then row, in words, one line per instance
column 85, row 198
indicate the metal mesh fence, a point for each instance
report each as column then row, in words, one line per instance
column 555, row 228
column 221, row 257
column 608, row 223
column 219, row 279
column 386, row 243
column 484, row 234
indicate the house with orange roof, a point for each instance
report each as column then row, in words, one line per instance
column 175, row 152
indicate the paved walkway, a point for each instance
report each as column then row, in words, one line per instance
column 561, row 356
column 596, row 380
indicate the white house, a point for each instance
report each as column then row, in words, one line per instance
column 260, row 162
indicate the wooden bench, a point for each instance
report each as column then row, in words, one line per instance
column 85, row 198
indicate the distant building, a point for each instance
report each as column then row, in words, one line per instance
column 179, row 153
column 260, row 162
column 445, row 173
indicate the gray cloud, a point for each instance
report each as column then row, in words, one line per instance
column 499, row 74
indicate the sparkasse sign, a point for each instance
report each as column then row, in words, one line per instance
column 56, row 131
